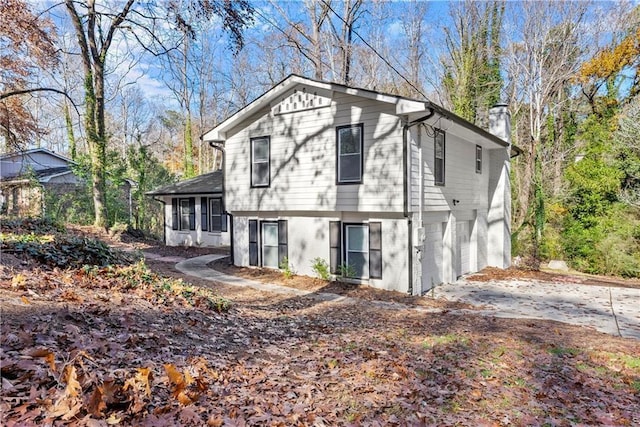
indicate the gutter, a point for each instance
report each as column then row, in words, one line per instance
column 405, row 185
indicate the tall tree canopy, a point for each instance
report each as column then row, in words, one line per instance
column 95, row 28
column 27, row 46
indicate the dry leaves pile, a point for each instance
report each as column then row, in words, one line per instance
column 123, row 346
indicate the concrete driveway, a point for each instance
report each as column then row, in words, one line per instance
column 613, row 310
column 578, row 304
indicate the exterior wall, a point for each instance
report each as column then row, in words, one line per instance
column 308, row 238
column 303, row 159
column 195, row 237
column 452, row 238
column 499, row 215
column 462, row 183
column 22, row 200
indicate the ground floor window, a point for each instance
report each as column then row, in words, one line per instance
column 215, row 218
column 183, row 214
column 356, row 249
column 267, row 243
column 270, row 244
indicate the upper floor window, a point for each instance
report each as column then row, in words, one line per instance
column 439, row 155
column 478, row 159
column 349, row 162
column 260, row 162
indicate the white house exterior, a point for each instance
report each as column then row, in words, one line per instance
column 404, row 192
column 194, row 211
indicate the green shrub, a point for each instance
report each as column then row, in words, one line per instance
column 321, row 268
column 287, row 268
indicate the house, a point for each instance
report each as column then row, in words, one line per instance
column 26, row 176
column 393, row 192
column 194, row 211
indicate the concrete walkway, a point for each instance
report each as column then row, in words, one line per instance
column 582, row 305
column 577, row 304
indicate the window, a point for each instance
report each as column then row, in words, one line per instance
column 260, row 164
column 270, row 244
column 357, row 250
column 439, row 155
column 349, row 147
column 362, row 249
column 215, row 214
column 183, row 214
column 478, row 159
column 272, row 247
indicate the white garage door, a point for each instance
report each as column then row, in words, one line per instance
column 432, row 257
column 462, row 248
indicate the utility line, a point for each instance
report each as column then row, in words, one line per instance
column 375, row 51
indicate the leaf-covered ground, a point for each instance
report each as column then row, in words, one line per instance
column 124, row 345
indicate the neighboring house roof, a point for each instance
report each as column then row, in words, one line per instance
column 35, row 150
column 207, row 183
column 403, row 106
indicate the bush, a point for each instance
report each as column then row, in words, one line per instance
column 321, row 268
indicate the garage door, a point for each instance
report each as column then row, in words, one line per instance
column 432, row 257
column 462, row 248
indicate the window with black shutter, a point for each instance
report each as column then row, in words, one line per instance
column 253, row 242
column 283, row 250
column 335, row 246
column 175, row 222
column 375, row 250
column 439, row 157
column 204, row 220
column 192, row 213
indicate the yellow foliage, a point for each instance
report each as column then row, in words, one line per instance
column 609, row 62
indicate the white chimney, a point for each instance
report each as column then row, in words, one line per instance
column 500, row 122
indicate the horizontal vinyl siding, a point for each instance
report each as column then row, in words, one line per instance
column 303, row 160
column 461, row 180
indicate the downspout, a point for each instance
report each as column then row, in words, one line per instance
column 219, row 145
column 405, row 187
column 164, row 218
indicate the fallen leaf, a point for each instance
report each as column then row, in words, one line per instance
column 48, row 356
column 113, row 420
column 95, row 404
column 73, row 386
column 25, row 300
column 18, row 280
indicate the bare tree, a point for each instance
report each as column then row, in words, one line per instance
column 542, row 57
column 95, row 28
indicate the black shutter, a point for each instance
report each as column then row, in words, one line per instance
column 204, row 220
column 253, row 242
column 192, row 213
column 224, row 218
column 375, row 250
column 283, row 250
column 174, row 214
column 335, row 252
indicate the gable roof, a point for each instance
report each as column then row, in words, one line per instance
column 208, row 183
column 35, row 150
column 403, row 105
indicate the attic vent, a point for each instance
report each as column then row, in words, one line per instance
column 295, row 101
